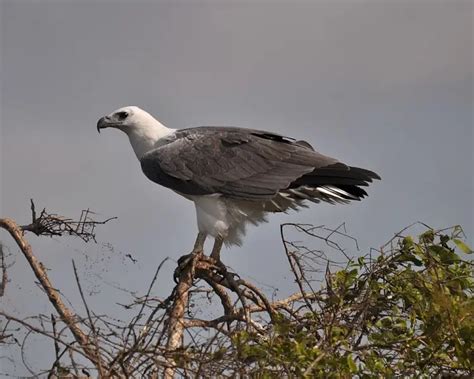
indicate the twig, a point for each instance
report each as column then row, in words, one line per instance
column 56, row 348
column 91, row 322
column 50, row 224
column 3, row 267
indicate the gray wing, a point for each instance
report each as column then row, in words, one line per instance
column 239, row 163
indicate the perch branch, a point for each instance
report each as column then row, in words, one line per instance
column 175, row 327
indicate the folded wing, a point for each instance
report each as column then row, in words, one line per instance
column 249, row 165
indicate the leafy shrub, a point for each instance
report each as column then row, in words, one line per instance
column 405, row 313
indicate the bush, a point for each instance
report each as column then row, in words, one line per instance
column 408, row 312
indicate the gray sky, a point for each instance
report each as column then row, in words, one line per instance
column 384, row 85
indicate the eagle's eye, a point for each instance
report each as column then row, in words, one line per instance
column 122, row 115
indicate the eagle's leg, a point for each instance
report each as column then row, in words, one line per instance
column 185, row 259
column 199, row 244
column 216, row 249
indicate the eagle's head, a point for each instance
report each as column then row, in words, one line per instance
column 141, row 127
column 127, row 119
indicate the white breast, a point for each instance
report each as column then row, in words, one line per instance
column 219, row 216
column 212, row 215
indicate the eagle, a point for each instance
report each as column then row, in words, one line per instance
column 235, row 176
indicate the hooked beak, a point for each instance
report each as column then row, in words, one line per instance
column 101, row 124
column 104, row 122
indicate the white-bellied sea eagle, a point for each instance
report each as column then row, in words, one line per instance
column 235, row 176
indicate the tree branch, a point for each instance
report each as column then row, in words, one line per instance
column 67, row 316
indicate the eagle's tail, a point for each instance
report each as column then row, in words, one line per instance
column 337, row 183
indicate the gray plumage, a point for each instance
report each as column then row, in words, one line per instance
column 249, row 164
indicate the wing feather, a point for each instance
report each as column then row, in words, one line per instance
column 244, row 164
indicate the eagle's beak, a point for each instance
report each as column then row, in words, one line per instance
column 102, row 123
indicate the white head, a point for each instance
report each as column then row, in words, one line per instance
column 142, row 128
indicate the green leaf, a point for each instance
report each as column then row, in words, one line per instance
column 446, row 255
column 428, row 236
column 409, row 257
column 462, row 246
column 351, row 364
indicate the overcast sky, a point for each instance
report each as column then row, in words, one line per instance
column 385, row 85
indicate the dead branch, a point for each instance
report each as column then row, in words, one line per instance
column 50, row 224
column 91, row 322
column 68, row 317
column 175, row 323
column 3, row 268
column 37, row 330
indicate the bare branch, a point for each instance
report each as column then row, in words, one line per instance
column 50, row 224
column 175, row 323
column 3, row 268
column 68, row 317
